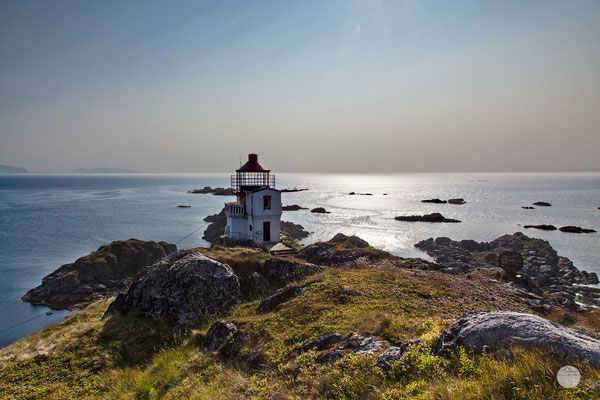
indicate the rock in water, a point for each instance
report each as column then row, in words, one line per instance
column 434, row 217
column 542, row 204
column 106, row 272
column 320, row 210
column 434, row 201
column 541, row 227
column 498, row 330
column 215, row 191
column 180, row 288
column 456, row 201
column 576, row 229
column 293, row 207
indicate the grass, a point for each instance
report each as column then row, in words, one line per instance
column 126, row 357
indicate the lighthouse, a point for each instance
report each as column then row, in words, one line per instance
column 256, row 214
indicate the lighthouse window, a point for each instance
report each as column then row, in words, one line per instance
column 267, row 202
column 250, row 228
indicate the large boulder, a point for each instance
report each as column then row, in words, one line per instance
column 499, row 330
column 180, row 289
column 106, row 272
column 334, row 346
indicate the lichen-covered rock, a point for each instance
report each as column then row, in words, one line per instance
column 218, row 333
column 323, row 342
column 181, row 288
column 394, row 353
column 106, row 272
column 499, row 330
column 333, row 346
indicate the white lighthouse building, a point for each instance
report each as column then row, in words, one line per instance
column 256, row 214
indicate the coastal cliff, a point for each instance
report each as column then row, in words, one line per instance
column 106, row 272
column 338, row 319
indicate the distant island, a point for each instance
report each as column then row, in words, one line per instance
column 104, row 170
column 7, row 169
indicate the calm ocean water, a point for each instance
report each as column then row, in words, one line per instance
column 50, row 220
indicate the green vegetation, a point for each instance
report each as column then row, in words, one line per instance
column 127, row 357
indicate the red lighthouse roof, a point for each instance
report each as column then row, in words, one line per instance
column 252, row 165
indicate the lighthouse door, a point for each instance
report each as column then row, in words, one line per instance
column 267, row 231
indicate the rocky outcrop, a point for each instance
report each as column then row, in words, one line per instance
column 434, row 217
column 541, row 227
column 528, row 208
column 296, row 231
column 576, row 229
column 543, row 271
column 179, row 289
column 360, row 194
column 497, row 331
column 281, row 296
column 281, row 271
column 320, row 210
column 293, row 207
column 339, row 250
column 216, row 228
column 106, row 272
column 542, row 204
column 333, row 346
column 215, row 191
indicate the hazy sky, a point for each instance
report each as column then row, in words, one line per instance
column 312, row 86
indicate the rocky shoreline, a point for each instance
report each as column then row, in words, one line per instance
column 106, row 272
column 543, row 271
column 332, row 305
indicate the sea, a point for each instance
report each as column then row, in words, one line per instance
column 48, row 220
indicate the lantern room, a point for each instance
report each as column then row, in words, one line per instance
column 251, row 176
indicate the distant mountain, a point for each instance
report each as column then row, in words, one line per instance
column 104, row 170
column 7, row 169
